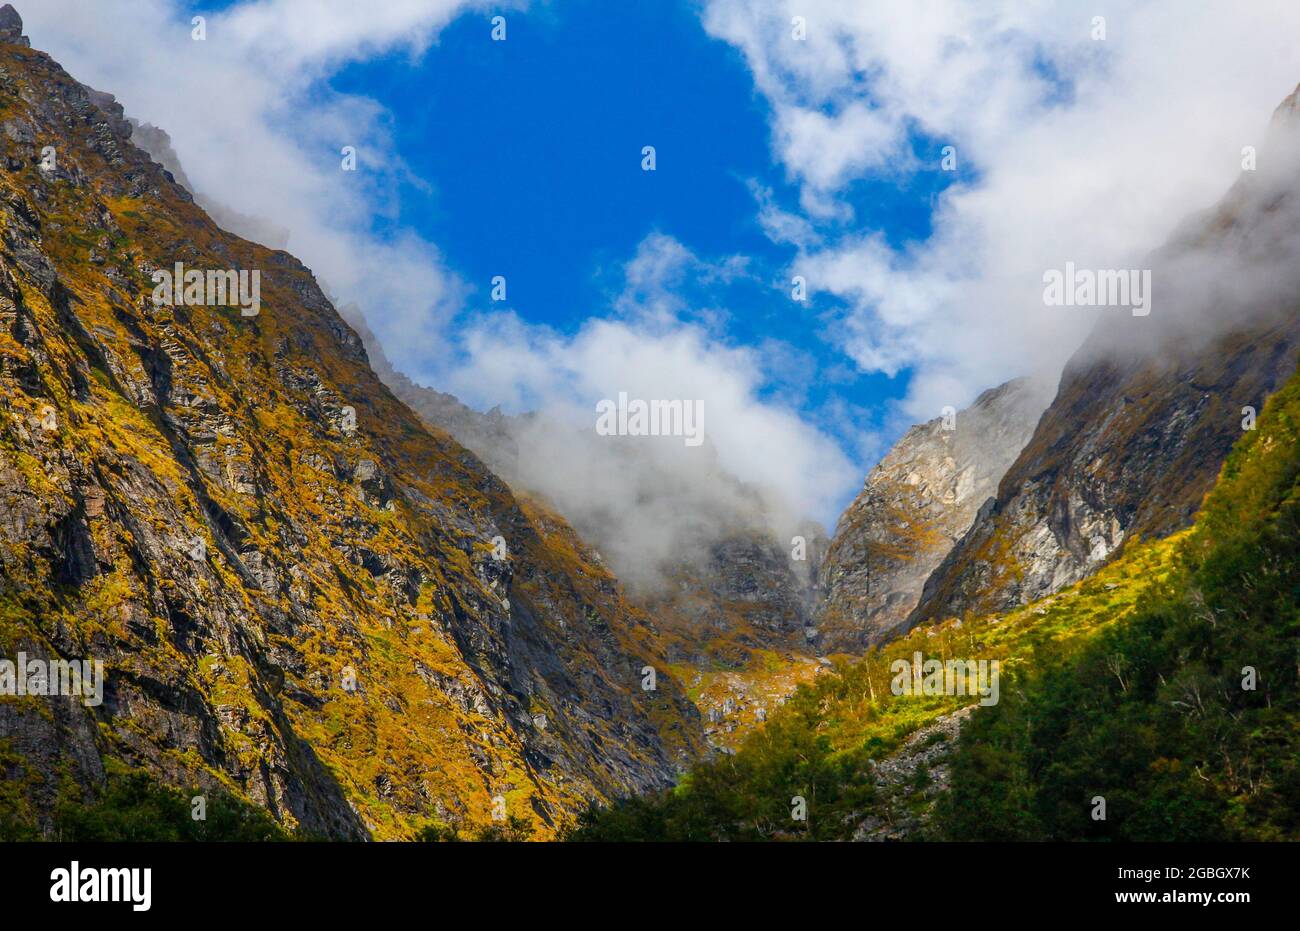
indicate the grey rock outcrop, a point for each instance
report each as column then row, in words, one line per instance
column 916, row 504
column 11, row 27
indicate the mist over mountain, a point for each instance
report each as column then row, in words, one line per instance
column 1149, row 406
column 723, row 571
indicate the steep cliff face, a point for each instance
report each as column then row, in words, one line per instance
column 489, row 436
column 733, row 619
column 916, row 504
column 1149, row 407
column 299, row 590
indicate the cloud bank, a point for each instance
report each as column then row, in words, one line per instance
column 647, row 349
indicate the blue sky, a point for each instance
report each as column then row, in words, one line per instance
column 523, row 158
column 532, row 150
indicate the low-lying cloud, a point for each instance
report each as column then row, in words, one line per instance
column 658, row 490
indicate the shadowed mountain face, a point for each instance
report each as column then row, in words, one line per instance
column 916, row 504
column 298, row 589
column 1149, row 407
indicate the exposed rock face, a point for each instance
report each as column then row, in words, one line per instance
column 158, row 144
column 11, row 27
column 1127, row 449
column 1149, row 407
column 916, row 504
column 488, row 435
column 910, row 780
column 736, row 702
column 297, row 588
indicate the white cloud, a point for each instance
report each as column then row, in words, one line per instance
column 826, row 150
column 650, row 352
column 1073, row 150
column 301, row 35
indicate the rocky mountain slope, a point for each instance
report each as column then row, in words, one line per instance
column 734, row 614
column 870, row 763
column 1148, row 409
column 746, row 593
column 916, row 504
column 301, row 592
column 734, row 617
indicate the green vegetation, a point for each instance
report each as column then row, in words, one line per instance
column 134, row 807
column 819, row 744
column 1128, row 686
column 1157, row 716
column 513, row 830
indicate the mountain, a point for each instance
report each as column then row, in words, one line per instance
column 344, row 605
column 1149, row 407
column 1188, row 723
column 302, row 595
column 1127, row 450
column 1131, row 684
column 916, row 504
column 721, row 586
column 869, row 763
column 1143, row 630
column 734, row 614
